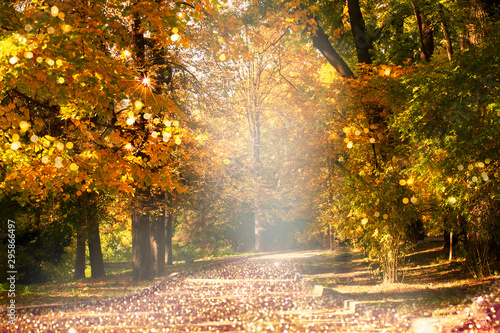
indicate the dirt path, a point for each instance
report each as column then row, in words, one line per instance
column 259, row 294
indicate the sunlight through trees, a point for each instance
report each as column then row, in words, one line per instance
column 207, row 128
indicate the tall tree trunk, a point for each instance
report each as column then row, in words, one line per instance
column 95, row 252
column 446, row 32
column 361, row 41
column 258, row 225
column 80, row 253
column 142, row 256
column 258, row 228
column 158, row 241
column 322, row 43
column 332, row 237
column 168, row 237
column 478, row 10
column 426, row 34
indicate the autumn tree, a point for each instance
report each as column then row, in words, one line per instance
column 86, row 104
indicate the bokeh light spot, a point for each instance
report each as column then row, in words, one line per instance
column 15, row 145
column 58, row 162
column 138, row 105
column 24, row 125
column 54, row 11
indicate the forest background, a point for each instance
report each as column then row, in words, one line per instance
column 160, row 130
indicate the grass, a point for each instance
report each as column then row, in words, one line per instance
column 431, row 284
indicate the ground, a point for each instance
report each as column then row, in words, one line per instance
column 431, row 285
column 275, row 292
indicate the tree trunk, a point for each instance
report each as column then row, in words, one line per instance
column 80, row 253
column 259, row 241
column 446, row 237
column 95, row 252
column 361, row 41
column 425, row 33
column 158, row 241
column 258, row 227
column 142, row 256
column 168, row 237
column 332, row 238
column 446, row 33
column 451, row 245
column 322, row 43
column 473, row 26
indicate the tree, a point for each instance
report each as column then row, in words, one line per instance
column 78, row 112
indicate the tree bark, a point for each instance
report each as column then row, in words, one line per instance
column 446, row 33
column 332, row 237
column 142, row 256
column 258, row 227
column 322, row 43
column 158, row 241
column 95, row 252
column 451, row 245
column 361, row 41
column 80, row 253
column 168, row 237
column 426, row 34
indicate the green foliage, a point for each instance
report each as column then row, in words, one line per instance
column 116, row 242
column 42, row 239
column 450, row 121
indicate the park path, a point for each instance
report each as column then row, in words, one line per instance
column 255, row 294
